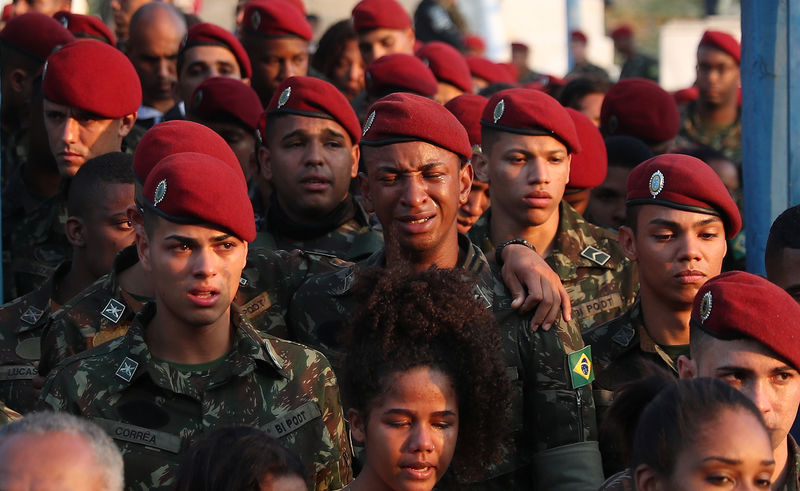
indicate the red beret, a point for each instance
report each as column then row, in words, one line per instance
column 490, row 71
column 686, row 95
column 737, row 305
column 474, row 42
column 519, row 47
column 276, row 18
column 530, row 112
column 399, row 72
column 578, row 36
column 723, row 42
column 35, row 35
column 512, row 70
column 447, row 64
column 468, row 108
column 623, row 31
column 685, row 183
column 314, row 98
column 178, row 136
column 207, row 34
column 589, row 167
column 225, row 96
column 639, row 107
column 110, row 89
column 404, row 117
column 375, row 14
column 197, row 188
column 8, row 12
column 85, row 26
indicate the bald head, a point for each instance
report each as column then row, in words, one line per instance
column 156, row 31
column 123, row 10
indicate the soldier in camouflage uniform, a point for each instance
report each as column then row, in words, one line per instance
column 190, row 362
column 636, row 65
column 310, row 154
column 552, row 412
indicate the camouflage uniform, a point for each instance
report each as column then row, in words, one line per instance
column 600, row 280
column 587, row 70
column 553, row 425
column 641, row 66
column 155, row 411
column 727, row 140
column 21, row 325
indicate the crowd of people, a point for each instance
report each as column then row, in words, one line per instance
column 240, row 260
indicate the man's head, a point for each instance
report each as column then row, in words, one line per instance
column 156, row 32
column 450, row 69
column 589, row 166
column 577, row 46
column 97, row 204
column 383, row 28
column 50, row 450
column 585, row 94
column 528, row 140
column 210, row 51
column 310, row 150
column 744, row 330
column 782, row 254
column 416, row 157
column 46, row 7
column 519, row 55
column 275, row 35
column 87, row 113
column 679, row 215
column 123, row 10
column 623, row 40
column 718, row 74
column 85, row 27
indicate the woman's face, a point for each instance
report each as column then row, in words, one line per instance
column 732, row 452
column 410, row 433
column 348, row 73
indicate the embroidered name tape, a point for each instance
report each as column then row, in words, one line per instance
column 138, row 434
column 17, row 372
column 293, row 420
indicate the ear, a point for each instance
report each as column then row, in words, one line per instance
column 481, row 164
column 646, row 479
column 143, row 248
column 627, row 240
column 264, row 164
column 246, row 81
column 17, row 80
column 465, row 176
column 363, row 181
column 355, row 154
column 135, row 217
column 687, row 368
column 358, row 428
column 76, row 233
column 127, row 124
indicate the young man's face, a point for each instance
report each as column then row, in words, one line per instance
column 241, row 140
column 415, row 189
column 274, row 60
column 718, row 76
column 195, row 270
column 107, row 227
column 76, row 136
column 477, row 203
column 607, row 202
column 676, row 251
column 202, row 62
column 527, row 175
column 380, row 42
column 154, row 55
column 310, row 161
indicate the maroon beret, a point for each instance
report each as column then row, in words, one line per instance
column 688, row 94
column 474, row 42
column 110, row 89
column 224, row 96
column 8, row 12
column 578, row 36
column 723, row 42
column 685, row 183
column 85, row 26
column 207, row 34
column 314, row 98
column 623, row 31
column 447, row 64
column 530, row 112
column 589, row 167
column 404, row 117
column 399, row 72
column 179, row 136
column 35, row 35
column 276, row 18
column 739, row 305
column 468, row 108
column 519, row 47
column 480, row 67
column 375, row 14
column 640, row 108
column 197, row 188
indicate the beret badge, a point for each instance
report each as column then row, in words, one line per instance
column 65, row 22
column 255, row 20
column 368, row 123
column 284, row 98
column 499, row 109
column 705, row 306
column 161, row 192
column 656, row 183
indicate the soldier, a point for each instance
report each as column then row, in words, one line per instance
column 85, row 27
column 581, row 66
column 588, row 167
column 383, row 27
column 275, row 35
column 528, row 142
column 86, row 114
column 310, row 154
column 195, row 351
column 585, row 94
column 418, row 173
column 97, row 228
column 782, row 253
column 450, row 69
column 636, row 65
column 519, row 58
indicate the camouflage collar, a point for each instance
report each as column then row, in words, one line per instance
column 578, row 244
column 35, row 307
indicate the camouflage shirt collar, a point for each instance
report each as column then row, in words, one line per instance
column 36, row 304
column 574, row 234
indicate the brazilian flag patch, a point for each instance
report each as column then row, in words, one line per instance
column 581, row 369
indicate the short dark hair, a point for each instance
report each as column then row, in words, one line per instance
column 626, row 151
column 578, row 88
column 784, row 232
column 85, row 188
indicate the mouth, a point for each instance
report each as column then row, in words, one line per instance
column 204, row 297
column 538, row 199
column 315, row 183
column 690, row 277
column 419, row 471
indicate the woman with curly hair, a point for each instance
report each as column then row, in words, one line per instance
column 338, row 58
column 425, row 379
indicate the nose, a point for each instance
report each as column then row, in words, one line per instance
column 421, row 439
column 204, row 264
column 167, row 68
column 414, row 193
column 537, row 170
column 759, row 393
column 314, row 154
column 71, row 130
column 690, row 250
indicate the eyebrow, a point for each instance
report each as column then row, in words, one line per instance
column 728, row 461
column 422, row 168
column 406, row 412
column 669, row 223
column 191, row 240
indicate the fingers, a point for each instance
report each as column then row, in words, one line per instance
column 514, row 287
column 566, row 304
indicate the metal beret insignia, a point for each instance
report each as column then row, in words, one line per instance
column 284, row 98
column 161, row 192
column 705, row 306
column 656, row 183
column 368, row 123
column 255, row 20
column 499, row 109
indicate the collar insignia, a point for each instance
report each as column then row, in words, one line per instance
column 595, row 255
column 127, row 369
column 113, row 310
column 32, row 315
column 656, row 183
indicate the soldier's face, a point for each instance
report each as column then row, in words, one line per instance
column 718, row 76
column 381, row 42
column 783, row 269
column 527, row 176
column 676, row 252
column 410, row 433
column 310, row 162
column 241, row 140
column 607, row 202
column 415, row 189
column 477, row 203
column 107, row 227
column 274, row 60
column 195, row 271
column 202, row 62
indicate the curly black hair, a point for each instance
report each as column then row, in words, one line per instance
column 331, row 46
column 432, row 318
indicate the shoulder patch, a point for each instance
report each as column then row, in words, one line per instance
column 624, row 336
column 595, row 255
column 581, row 369
column 113, row 310
column 127, row 369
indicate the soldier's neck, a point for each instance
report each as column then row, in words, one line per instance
column 445, row 256
column 74, row 282
column 175, row 340
column 718, row 114
column 134, row 281
column 666, row 323
column 542, row 236
column 781, row 456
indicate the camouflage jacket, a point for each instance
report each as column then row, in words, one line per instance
column 21, row 325
column 552, row 424
column 600, row 280
column 727, row 140
column 155, row 411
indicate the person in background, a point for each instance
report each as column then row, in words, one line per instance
column 439, row 20
column 635, row 64
column 581, row 66
column 450, row 69
column 585, row 94
column 339, row 60
column 383, row 27
column 782, row 253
